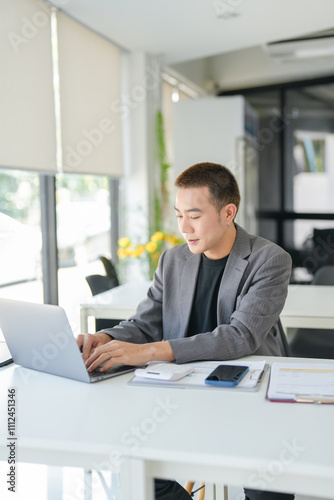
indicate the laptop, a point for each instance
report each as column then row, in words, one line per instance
column 5, row 357
column 39, row 337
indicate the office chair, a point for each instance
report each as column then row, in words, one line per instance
column 284, row 340
column 110, row 270
column 313, row 342
column 98, row 284
column 323, row 242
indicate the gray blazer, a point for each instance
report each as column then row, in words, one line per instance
column 251, row 296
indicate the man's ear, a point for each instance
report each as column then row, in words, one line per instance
column 230, row 211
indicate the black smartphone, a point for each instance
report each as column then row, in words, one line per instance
column 227, row 375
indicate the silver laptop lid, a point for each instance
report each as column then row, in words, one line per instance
column 40, row 337
column 5, row 355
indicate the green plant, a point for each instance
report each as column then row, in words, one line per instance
column 161, row 198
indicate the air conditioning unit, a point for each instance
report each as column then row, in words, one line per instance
column 301, row 48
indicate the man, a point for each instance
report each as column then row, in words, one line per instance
column 216, row 297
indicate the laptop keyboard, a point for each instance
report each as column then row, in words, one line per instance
column 113, row 369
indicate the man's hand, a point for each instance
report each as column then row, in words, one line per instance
column 116, row 351
column 89, row 342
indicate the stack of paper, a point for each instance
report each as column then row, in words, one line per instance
column 302, row 382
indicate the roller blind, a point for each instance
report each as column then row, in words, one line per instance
column 89, row 76
column 27, row 117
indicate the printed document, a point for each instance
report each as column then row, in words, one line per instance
column 302, row 382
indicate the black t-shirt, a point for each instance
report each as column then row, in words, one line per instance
column 203, row 316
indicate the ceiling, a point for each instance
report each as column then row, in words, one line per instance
column 185, row 30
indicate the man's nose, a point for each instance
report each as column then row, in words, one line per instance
column 186, row 226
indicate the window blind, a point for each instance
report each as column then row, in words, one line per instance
column 90, row 89
column 27, row 117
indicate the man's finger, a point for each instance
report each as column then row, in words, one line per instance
column 94, row 354
column 88, row 345
column 80, row 340
column 94, row 362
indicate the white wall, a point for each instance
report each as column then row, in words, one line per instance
column 139, row 104
column 206, row 130
column 212, row 129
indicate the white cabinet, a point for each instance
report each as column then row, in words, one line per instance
column 220, row 130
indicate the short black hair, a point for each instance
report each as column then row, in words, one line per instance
column 220, row 181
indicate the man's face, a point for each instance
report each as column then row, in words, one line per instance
column 199, row 222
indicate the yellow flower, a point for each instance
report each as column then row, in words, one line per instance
column 138, row 251
column 176, row 240
column 124, row 242
column 121, row 253
column 151, row 246
column 129, row 250
column 158, row 242
column 172, row 239
column 158, row 236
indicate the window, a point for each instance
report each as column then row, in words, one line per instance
column 20, row 236
column 83, row 235
column 297, row 169
column 310, row 166
column 67, row 123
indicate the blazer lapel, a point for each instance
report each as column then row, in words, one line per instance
column 188, row 281
column 234, row 271
column 235, row 268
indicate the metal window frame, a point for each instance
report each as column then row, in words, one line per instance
column 49, row 233
column 282, row 215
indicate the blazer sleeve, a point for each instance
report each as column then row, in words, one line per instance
column 146, row 324
column 257, row 308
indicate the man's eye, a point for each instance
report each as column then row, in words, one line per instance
column 193, row 218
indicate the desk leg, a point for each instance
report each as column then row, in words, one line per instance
column 134, row 481
column 54, row 482
column 83, row 321
column 87, row 493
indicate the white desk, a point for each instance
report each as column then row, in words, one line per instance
column 118, row 303
column 309, row 306
column 215, row 435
